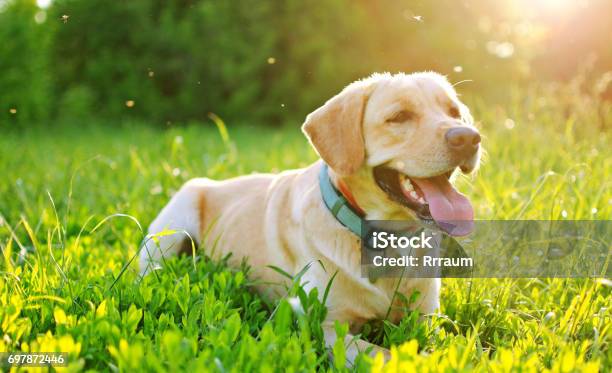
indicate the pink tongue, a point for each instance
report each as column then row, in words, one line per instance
column 451, row 210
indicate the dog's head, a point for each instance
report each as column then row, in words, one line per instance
column 395, row 141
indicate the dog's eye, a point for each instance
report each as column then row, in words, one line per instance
column 454, row 112
column 402, row 116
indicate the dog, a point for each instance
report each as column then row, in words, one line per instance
column 409, row 129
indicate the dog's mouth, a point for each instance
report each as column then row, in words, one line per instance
column 432, row 199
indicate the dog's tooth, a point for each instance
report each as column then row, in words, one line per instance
column 407, row 184
column 421, row 200
column 414, row 195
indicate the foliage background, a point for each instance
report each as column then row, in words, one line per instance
column 274, row 61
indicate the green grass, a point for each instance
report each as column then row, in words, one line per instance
column 62, row 284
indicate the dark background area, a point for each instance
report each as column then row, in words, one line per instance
column 272, row 62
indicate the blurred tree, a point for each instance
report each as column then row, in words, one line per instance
column 179, row 60
column 100, row 47
column 24, row 78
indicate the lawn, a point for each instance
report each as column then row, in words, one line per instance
column 74, row 201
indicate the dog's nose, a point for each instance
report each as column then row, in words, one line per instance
column 462, row 141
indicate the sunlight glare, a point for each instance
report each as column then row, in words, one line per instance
column 43, row 4
column 556, row 6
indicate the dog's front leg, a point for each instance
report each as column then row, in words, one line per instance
column 176, row 228
column 353, row 346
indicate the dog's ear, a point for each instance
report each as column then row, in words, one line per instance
column 335, row 130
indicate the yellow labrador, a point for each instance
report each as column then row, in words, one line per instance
column 410, row 130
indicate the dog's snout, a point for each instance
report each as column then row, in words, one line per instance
column 462, row 141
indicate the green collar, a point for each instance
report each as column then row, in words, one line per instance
column 337, row 203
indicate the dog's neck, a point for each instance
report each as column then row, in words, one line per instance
column 360, row 189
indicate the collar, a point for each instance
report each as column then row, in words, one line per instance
column 339, row 205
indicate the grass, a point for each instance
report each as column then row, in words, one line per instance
column 65, row 286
